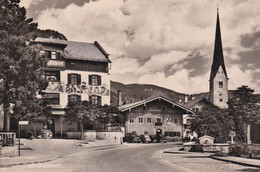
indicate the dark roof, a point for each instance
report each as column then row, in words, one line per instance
column 78, row 50
column 142, row 102
column 218, row 58
column 191, row 103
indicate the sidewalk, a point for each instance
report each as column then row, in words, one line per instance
column 236, row 160
column 45, row 150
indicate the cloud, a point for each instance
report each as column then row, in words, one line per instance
column 168, row 42
column 239, row 77
column 180, row 81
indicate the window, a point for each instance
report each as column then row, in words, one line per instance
column 52, row 98
column 53, row 55
column 52, row 75
column 144, row 107
column 163, row 109
column 149, row 120
column 195, row 109
column 220, row 83
column 74, row 98
column 145, row 132
column 220, row 100
column 96, row 100
column 131, row 120
column 158, row 120
column 140, row 120
column 94, row 80
column 74, row 79
column 176, row 121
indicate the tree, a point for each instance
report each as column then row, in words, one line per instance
column 86, row 113
column 218, row 122
column 214, row 122
column 244, row 110
column 21, row 77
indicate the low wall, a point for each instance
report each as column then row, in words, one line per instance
column 217, row 147
column 8, row 151
column 111, row 137
column 74, row 135
column 92, row 136
column 222, row 148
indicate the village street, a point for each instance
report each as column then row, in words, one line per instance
column 133, row 158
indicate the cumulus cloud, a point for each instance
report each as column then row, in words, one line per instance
column 169, row 43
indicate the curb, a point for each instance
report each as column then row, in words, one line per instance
column 234, row 162
column 32, row 162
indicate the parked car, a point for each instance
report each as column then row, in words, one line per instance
column 128, row 138
column 145, row 139
column 163, row 139
column 137, row 139
column 153, row 138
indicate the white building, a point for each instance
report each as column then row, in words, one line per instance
column 76, row 71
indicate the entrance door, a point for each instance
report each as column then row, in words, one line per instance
column 158, row 131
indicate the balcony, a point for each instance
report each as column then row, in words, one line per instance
column 56, row 63
column 158, row 124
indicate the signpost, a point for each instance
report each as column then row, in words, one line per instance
column 232, row 134
column 20, row 123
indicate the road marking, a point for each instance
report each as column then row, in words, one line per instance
column 161, row 152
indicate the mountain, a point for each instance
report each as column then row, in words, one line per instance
column 136, row 92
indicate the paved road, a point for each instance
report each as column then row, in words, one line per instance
column 129, row 158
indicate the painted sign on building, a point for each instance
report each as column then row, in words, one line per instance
column 80, row 89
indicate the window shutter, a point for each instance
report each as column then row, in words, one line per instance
column 69, row 78
column 69, row 98
column 90, row 80
column 78, row 79
column 99, row 100
column 58, row 55
column 90, row 99
column 49, row 54
column 79, row 98
column 99, row 80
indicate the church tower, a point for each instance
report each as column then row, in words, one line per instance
column 218, row 86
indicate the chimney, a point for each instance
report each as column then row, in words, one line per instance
column 119, row 94
column 186, row 98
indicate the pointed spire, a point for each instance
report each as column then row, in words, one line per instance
column 218, row 58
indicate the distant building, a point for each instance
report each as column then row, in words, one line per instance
column 218, row 86
column 154, row 115
column 76, row 71
column 195, row 105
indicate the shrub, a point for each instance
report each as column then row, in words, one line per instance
column 246, row 151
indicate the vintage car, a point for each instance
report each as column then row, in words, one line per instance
column 137, row 139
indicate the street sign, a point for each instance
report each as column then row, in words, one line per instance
column 20, row 123
column 23, row 122
column 232, row 134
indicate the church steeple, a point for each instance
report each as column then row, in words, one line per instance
column 218, row 94
column 218, row 58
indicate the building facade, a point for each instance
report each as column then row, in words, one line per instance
column 218, row 86
column 154, row 115
column 76, row 71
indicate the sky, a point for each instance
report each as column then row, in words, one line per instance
column 168, row 43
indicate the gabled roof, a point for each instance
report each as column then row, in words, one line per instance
column 218, row 58
column 191, row 103
column 78, row 50
column 142, row 102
